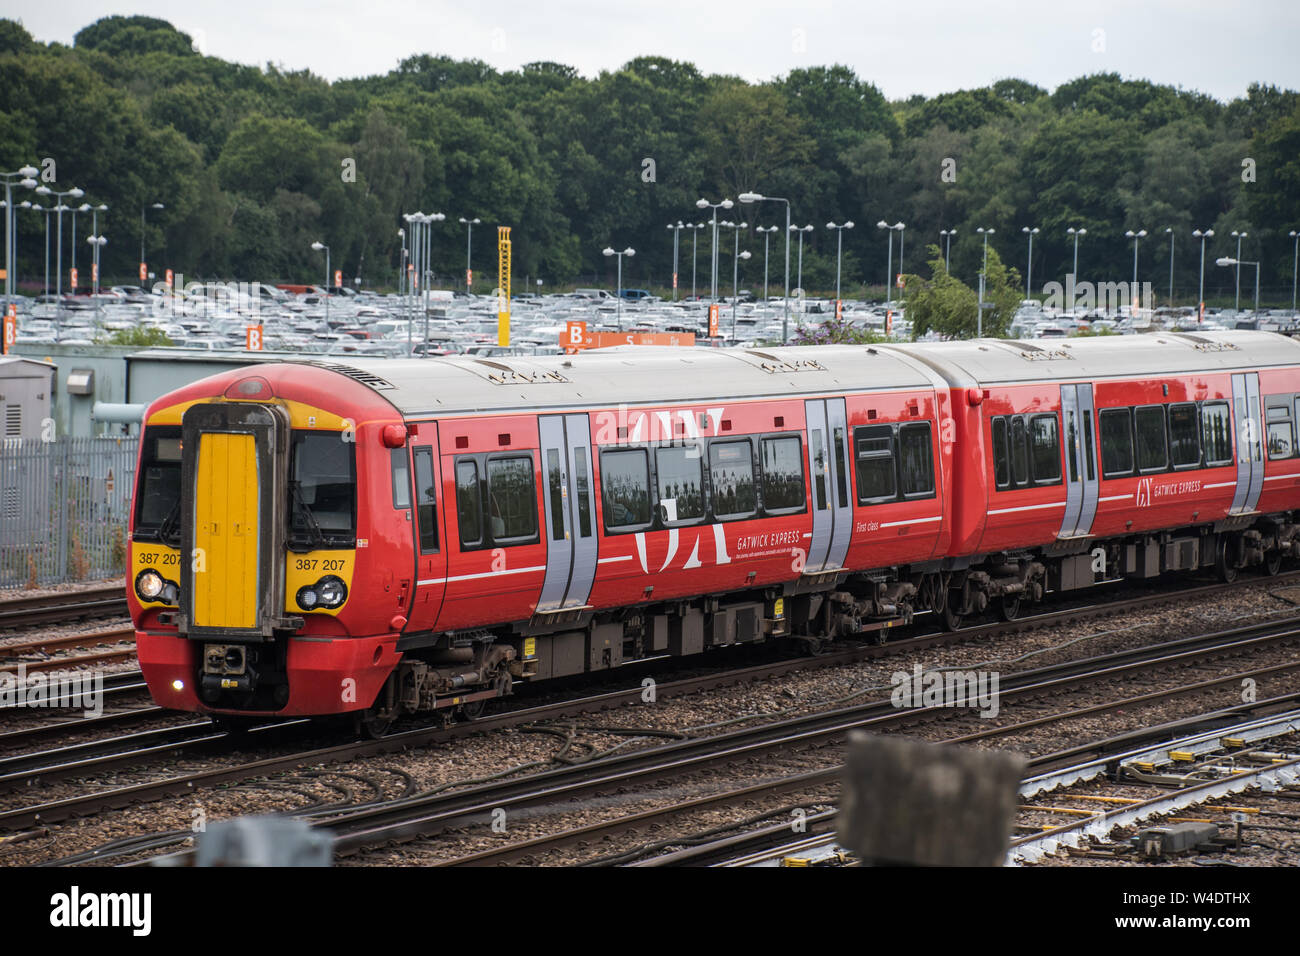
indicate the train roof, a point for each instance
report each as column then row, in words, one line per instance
column 636, row 375
column 630, row 375
column 1090, row 358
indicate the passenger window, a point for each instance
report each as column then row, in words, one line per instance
column 1184, row 446
column 1116, row 442
column 1019, row 453
column 1281, row 437
column 731, row 471
column 841, row 468
column 469, row 502
column 1071, row 434
column 401, row 479
column 915, row 460
column 1216, row 434
column 555, row 482
column 1046, row 447
column 512, row 499
column 681, row 483
column 426, row 499
column 1149, row 424
column 1088, row 452
column 1001, row 463
column 819, row 468
column 783, row 488
column 1280, row 441
column 584, row 492
column 625, row 488
column 876, row 473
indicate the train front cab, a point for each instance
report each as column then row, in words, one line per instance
column 245, row 555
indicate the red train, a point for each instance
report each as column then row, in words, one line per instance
column 391, row 537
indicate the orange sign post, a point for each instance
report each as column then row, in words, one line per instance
column 713, row 321
column 144, row 272
column 11, row 329
column 253, row 340
column 73, row 279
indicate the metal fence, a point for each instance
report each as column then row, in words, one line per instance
column 63, row 509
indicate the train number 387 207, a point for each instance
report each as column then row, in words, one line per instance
column 322, row 564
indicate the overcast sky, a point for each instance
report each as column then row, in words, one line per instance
column 904, row 46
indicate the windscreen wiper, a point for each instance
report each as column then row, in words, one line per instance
column 316, row 537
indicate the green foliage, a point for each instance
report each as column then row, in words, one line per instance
column 835, row 331
column 252, row 164
column 142, row 337
column 948, row 307
column 125, row 36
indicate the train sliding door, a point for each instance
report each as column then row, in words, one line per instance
column 1081, row 488
column 570, row 531
column 828, row 468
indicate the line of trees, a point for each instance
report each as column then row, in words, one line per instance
column 254, row 164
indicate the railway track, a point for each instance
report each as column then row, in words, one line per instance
column 1087, row 815
column 21, row 652
column 89, row 804
column 431, row 814
column 59, row 608
column 794, row 738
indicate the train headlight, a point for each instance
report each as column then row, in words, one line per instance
column 307, row 598
column 149, row 584
column 331, row 591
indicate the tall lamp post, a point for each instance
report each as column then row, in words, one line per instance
column 676, row 231
column 318, row 246
column 97, row 242
column 947, row 255
column 1226, row 261
column 1236, row 306
column 1295, row 263
column 979, row 319
column 1201, row 234
column 785, row 306
column 1076, row 233
column 144, row 269
column 611, row 251
column 802, row 230
column 713, row 221
column 889, row 262
column 695, row 228
column 839, row 251
column 1136, row 237
column 767, row 242
column 1170, row 233
column 1029, row 268
column 37, row 207
column 25, row 177
column 469, row 225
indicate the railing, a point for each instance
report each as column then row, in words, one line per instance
column 63, row 509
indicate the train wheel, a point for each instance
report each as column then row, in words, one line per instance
column 1010, row 607
column 1225, row 561
column 372, row 724
column 952, row 617
column 473, row 710
column 1272, row 562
